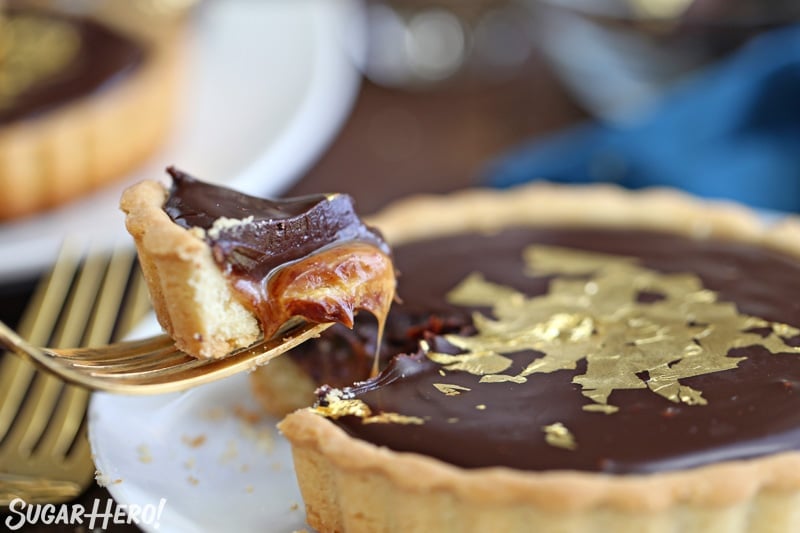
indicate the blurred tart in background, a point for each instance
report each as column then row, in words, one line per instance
column 84, row 98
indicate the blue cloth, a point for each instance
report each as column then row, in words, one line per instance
column 731, row 131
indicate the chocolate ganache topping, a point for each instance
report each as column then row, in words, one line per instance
column 276, row 232
column 310, row 256
column 48, row 59
column 591, row 349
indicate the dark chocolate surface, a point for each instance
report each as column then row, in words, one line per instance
column 752, row 410
column 281, row 231
column 104, row 56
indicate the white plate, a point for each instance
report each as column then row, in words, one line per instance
column 269, row 83
column 217, row 469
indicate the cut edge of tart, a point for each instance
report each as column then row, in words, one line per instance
column 352, row 485
column 209, row 310
column 190, row 295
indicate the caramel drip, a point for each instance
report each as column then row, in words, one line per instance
column 377, row 357
column 328, row 286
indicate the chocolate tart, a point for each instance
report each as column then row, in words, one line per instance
column 82, row 101
column 225, row 268
column 609, row 361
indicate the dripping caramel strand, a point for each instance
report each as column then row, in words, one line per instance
column 377, row 357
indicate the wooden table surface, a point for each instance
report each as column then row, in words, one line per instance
column 397, row 143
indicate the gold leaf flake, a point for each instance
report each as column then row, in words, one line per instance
column 548, row 260
column 785, row 330
column 476, row 291
column 559, row 436
column 450, row 389
column 477, row 363
column 600, row 408
column 392, row 418
column 502, row 378
column 32, row 48
column 592, row 312
column 339, row 408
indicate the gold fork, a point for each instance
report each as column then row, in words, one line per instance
column 44, row 452
column 154, row 365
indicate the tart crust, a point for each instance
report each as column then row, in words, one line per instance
column 190, row 295
column 352, row 485
column 67, row 152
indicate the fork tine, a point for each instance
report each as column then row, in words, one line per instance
column 171, row 362
column 117, row 351
column 47, row 435
column 99, row 293
column 40, row 405
column 132, row 361
column 36, row 324
column 118, row 271
column 39, row 319
column 198, row 371
column 35, row 413
column 147, row 364
column 106, row 367
column 137, row 305
column 66, row 421
column 78, row 308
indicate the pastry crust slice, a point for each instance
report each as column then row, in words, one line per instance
column 209, row 287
